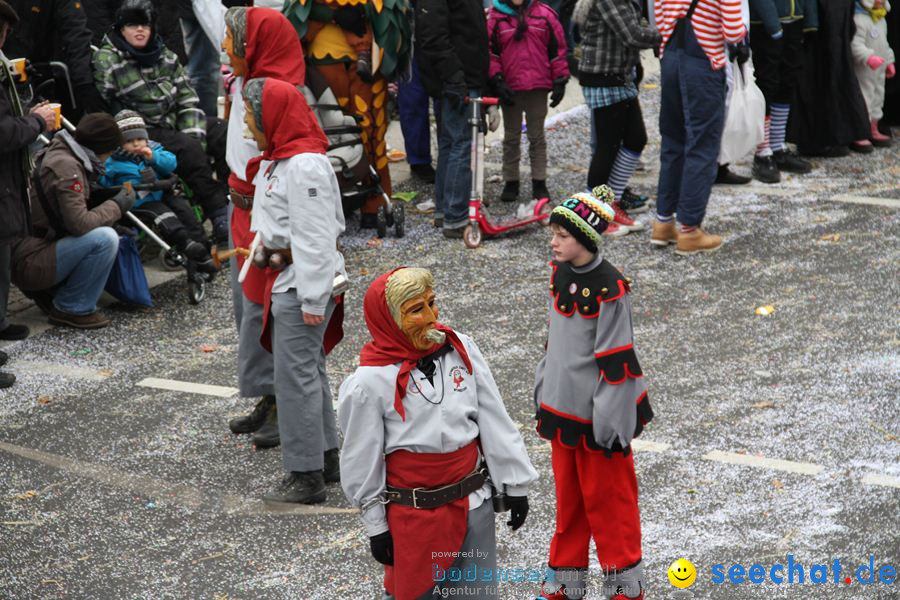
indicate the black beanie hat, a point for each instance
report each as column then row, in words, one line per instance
column 8, row 15
column 98, row 132
column 136, row 12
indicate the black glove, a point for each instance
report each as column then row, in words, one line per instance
column 382, row 547
column 558, row 91
column 125, row 198
column 455, row 91
column 352, row 19
column 503, row 91
column 741, row 52
column 518, row 510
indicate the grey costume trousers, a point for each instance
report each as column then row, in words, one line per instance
column 306, row 420
column 481, row 543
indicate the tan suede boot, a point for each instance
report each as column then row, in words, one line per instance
column 663, row 234
column 697, row 241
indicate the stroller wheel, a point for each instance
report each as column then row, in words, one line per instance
column 196, row 291
column 381, row 221
column 472, row 235
column 399, row 219
column 169, row 260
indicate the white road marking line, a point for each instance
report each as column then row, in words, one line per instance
column 163, row 491
column 869, row 200
column 39, row 367
column 765, row 463
column 188, row 386
column 881, row 480
column 648, row 446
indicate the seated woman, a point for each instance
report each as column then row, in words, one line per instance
column 64, row 265
column 134, row 70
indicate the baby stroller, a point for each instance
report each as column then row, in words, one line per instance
column 356, row 176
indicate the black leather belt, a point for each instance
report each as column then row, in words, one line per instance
column 241, row 201
column 435, row 497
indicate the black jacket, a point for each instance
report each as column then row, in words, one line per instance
column 451, row 37
column 17, row 133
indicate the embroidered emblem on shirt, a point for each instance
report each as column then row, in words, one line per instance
column 313, row 192
column 456, row 374
column 270, row 185
column 76, row 187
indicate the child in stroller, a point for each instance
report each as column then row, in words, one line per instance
column 142, row 161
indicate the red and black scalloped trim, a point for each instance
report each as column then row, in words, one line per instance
column 572, row 431
column 584, row 292
column 617, row 364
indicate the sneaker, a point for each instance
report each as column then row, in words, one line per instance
column 255, row 420
column 94, row 320
column 726, row 176
column 14, row 332
column 552, row 590
column 426, row 207
column 6, row 379
column 765, row 169
column 790, row 162
column 306, row 487
column 663, row 234
column 424, row 172
column 696, row 241
column 455, row 233
column 539, row 189
column 510, row 191
column 624, row 221
column 267, row 435
column 613, row 230
column 879, row 139
column 332, row 471
column 634, row 203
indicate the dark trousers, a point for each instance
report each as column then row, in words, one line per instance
column 777, row 63
column 620, row 124
column 194, row 167
column 173, row 219
column 691, row 118
column 412, row 104
column 5, row 275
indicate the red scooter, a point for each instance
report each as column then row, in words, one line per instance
column 478, row 218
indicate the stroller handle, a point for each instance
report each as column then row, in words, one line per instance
column 160, row 185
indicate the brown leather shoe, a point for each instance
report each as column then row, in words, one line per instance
column 697, row 241
column 663, row 234
column 95, row 320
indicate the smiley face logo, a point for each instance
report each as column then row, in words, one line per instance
column 682, row 573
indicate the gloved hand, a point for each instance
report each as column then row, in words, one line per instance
column 455, row 91
column 382, row 547
column 875, row 61
column 558, row 91
column 518, row 510
column 502, row 90
column 125, row 198
column 740, row 51
column 890, row 71
column 493, row 117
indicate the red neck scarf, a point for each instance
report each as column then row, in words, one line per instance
column 290, row 126
column 389, row 345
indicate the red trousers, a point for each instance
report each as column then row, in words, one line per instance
column 596, row 497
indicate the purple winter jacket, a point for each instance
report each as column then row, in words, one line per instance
column 535, row 61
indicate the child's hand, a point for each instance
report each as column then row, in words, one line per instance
column 875, row 61
column 146, row 152
column 890, row 71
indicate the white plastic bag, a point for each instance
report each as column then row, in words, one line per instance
column 211, row 16
column 745, row 123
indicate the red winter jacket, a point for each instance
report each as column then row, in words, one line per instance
column 536, row 60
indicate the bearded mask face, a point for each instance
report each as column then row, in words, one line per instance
column 411, row 300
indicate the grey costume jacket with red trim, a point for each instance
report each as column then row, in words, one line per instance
column 589, row 387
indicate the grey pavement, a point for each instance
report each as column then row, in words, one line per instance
column 774, row 435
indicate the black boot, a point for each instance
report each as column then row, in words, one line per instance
column 307, row 487
column 765, row 169
column 200, row 256
column 726, row 176
column 539, row 189
column 255, row 420
column 267, row 435
column 332, row 471
column 510, row 191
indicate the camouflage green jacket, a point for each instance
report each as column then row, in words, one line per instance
column 160, row 93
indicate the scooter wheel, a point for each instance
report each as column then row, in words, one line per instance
column 472, row 235
column 168, row 261
column 381, row 221
column 399, row 219
column 196, row 291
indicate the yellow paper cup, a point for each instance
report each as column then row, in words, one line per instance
column 19, row 65
column 57, row 110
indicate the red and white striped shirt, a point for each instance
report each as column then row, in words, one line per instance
column 715, row 23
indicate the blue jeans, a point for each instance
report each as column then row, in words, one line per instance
column 454, row 173
column 691, row 118
column 202, row 65
column 412, row 104
column 83, row 264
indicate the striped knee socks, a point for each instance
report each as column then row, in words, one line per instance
column 622, row 170
column 780, row 113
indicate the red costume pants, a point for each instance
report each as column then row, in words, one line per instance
column 596, row 497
